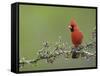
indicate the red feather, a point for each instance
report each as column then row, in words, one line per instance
column 76, row 35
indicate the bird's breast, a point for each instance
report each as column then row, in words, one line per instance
column 77, row 37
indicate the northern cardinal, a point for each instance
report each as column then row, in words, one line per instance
column 76, row 36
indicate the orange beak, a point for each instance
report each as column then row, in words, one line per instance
column 69, row 27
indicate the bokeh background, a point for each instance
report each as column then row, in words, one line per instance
column 47, row 23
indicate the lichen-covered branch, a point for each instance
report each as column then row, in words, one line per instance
column 50, row 53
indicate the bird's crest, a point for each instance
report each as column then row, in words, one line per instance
column 73, row 23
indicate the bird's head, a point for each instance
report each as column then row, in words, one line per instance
column 73, row 25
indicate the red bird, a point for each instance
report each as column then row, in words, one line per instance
column 76, row 34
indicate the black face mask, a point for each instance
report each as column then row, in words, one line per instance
column 72, row 29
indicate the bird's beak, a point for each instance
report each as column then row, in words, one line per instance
column 69, row 27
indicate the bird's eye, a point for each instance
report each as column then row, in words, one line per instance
column 72, row 26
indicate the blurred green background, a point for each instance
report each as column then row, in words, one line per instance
column 47, row 23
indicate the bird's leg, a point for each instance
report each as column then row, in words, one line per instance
column 75, row 52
